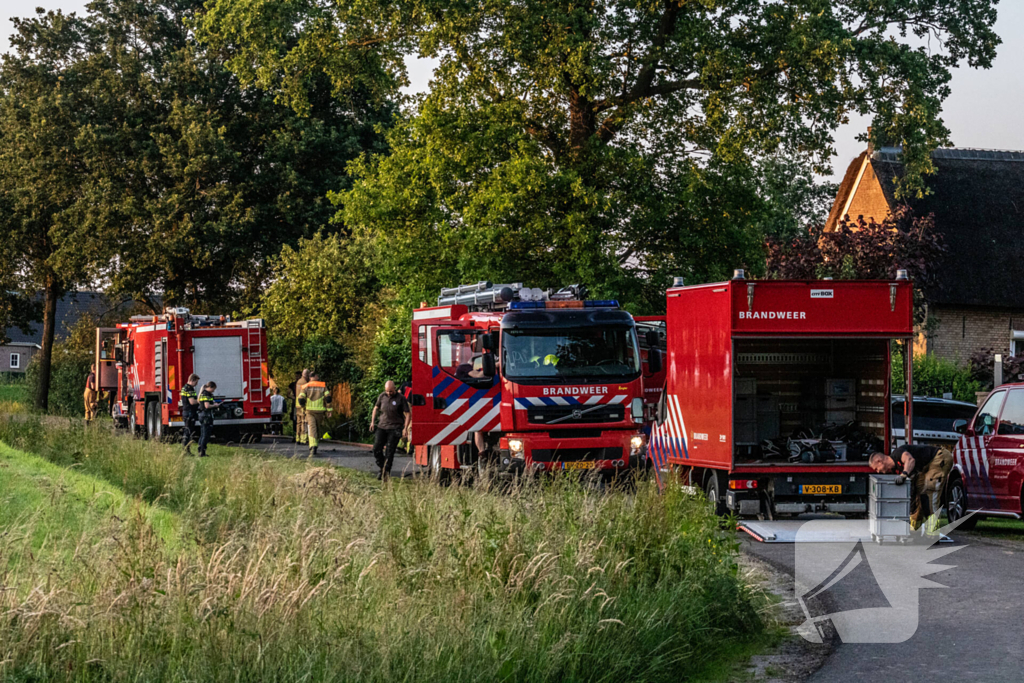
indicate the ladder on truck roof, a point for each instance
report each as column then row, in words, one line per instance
column 254, row 348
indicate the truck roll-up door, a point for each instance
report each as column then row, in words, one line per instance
column 107, row 340
column 219, row 359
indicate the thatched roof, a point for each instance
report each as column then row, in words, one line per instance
column 977, row 197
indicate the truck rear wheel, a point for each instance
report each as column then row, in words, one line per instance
column 713, row 490
column 154, row 421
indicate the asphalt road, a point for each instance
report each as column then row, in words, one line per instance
column 355, row 456
column 968, row 631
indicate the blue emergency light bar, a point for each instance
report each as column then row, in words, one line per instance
column 595, row 303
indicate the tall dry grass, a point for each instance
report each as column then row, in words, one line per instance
column 287, row 572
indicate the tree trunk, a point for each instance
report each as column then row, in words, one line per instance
column 51, row 294
column 582, row 124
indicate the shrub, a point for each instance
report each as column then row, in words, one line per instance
column 934, row 376
column 983, row 363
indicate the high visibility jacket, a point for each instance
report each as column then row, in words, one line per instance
column 316, row 396
column 188, row 392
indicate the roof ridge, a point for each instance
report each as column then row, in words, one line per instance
column 892, row 154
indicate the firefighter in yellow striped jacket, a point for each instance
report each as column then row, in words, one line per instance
column 315, row 399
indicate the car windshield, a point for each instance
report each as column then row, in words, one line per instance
column 934, row 417
column 599, row 354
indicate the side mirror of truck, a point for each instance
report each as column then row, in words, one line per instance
column 654, row 361
column 118, row 354
column 488, row 341
column 652, row 338
column 487, row 365
column 959, row 426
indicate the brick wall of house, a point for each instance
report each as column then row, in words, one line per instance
column 24, row 353
column 956, row 332
column 869, row 201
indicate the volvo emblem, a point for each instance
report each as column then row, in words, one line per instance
column 577, row 414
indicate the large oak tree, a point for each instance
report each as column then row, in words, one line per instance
column 612, row 140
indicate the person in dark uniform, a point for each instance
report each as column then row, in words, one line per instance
column 395, row 418
column 206, row 406
column 189, row 412
column 927, row 468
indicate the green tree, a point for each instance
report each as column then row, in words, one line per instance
column 44, row 102
column 198, row 179
column 607, row 141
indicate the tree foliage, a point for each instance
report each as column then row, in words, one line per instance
column 606, row 141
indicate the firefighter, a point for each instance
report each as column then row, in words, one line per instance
column 90, row 396
column 395, row 418
column 927, row 468
column 189, row 412
column 300, row 412
column 315, row 400
column 206, row 406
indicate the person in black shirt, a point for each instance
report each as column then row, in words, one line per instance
column 189, row 412
column 927, row 468
column 395, row 418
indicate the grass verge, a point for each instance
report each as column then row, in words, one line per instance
column 266, row 569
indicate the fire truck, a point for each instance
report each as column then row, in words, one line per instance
column 777, row 392
column 525, row 380
column 146, row 361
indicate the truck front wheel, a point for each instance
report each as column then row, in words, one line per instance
column 437, row 472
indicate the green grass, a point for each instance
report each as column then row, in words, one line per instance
column 996, row 527
column 254, row 568
column 14, row 394
column 60, row 513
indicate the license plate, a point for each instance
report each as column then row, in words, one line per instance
column 820, row 489
column 584, row 465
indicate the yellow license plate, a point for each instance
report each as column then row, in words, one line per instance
column 820, row 489
column 578, row 465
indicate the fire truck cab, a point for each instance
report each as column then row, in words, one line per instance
column 777, row 392
column 146, row 361
column 526, row 380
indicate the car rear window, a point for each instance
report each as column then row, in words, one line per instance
column 933, row 417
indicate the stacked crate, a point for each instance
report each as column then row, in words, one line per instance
column 888, row 508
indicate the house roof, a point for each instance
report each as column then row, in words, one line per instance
column 977, row 197
column 70, row 309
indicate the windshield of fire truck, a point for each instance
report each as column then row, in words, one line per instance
column 598, row 354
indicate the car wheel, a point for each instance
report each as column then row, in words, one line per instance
column 713, row 489
column 956, row 505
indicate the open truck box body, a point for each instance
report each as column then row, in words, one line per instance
column 777, row 343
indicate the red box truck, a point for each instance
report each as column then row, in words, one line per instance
column 776, row 392
column 145, row 362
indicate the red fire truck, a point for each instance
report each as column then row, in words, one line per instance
column 147, row 360
column 777, row 392
column 526, row 380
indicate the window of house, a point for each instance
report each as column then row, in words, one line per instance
column 15, row 361
column 1016, row 342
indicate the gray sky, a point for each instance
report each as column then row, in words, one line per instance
column 984, row 109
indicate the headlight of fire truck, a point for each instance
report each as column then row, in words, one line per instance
column 515, row 446
column 636, row 443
